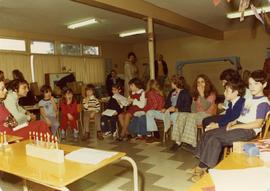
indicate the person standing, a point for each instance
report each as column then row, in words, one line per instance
column 131, row 70
column 161, row 70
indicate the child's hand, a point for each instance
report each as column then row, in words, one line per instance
column 70, row 117
column 211, row 126
column 221, row 106
column 230, row 125
column 171, row 109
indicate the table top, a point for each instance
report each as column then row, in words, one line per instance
column 233, row 161
column 14, row 161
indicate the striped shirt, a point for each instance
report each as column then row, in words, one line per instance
column 91, row 104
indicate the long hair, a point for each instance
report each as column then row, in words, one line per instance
column 208, row 89
column 154, row 85
column 17, row 74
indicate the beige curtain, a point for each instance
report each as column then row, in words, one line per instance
column 12, row 61
column 45, row 64
column 75, row 64
column 95, row 68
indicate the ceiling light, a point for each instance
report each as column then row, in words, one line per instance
column 82, row 23
column 248, row 12
column 131, row 33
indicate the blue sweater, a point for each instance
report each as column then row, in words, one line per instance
column 232, row 113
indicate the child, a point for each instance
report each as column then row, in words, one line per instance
column 137, row 101
column 203, row 105
column 245, row 128
column 234, row 92
column 91, row 107
column 116, row 103
column 69, row 113
column 155, row 101
column 48, row 108
column 178, row 100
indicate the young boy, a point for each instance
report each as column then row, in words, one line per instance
column 116, row 103
column 234, row 92
column 48, row 108
column 245, row 128
column 91, row 107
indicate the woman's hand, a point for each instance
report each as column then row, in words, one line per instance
column 201, row 90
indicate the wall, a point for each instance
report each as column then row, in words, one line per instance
column 252, row 52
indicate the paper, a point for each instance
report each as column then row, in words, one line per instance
column 244, row 4
column 18, row 127
column 122, row 101
column 249, row 179
column 257, row 15
column 89, row 156
column 109, row 112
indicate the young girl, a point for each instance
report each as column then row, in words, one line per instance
column 178, row 100
column 155, row 101
column 203, row 105
column 48, row 108
column 69, row 114
column 137, row 102
column 91, row 107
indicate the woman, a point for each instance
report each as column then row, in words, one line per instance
column 7, row 120
column 203, row 105
column 131, row 70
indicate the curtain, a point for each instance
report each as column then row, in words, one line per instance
column 95, row 68
column 12, row 61
column 45, row 64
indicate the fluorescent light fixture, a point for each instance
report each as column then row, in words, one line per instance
column 248, row 12
column 131, row 33
column 82, row 23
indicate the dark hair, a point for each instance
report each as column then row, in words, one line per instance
column 67, row 91
column 259, row 76
column 137, row 82
column 237, row 85
column 17, row 74
column 132, row 54
column 209, row 87
column 15, row 84
column 45, row 89
column 179, row 81
column 90, row 87
column 229, row 74
column 117, row 86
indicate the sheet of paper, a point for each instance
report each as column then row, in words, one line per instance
column 123, row 101
column 109, row 112
column 249, row 179
column 89, row 156
column 20, row 126
column 257, row 15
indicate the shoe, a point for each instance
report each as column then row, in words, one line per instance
column 196, row 178
column 175, row 147
column 151, row 139
column 99, row 135
column 107, row 134
column 141, row 138
column 194, row 171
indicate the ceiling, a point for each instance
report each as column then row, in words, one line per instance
column 53, row 16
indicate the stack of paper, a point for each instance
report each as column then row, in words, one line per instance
column 250, row 179
column 89, row 156
column 109, row 112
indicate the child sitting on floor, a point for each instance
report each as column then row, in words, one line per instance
column 48, row 108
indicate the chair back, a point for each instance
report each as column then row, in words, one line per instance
column 265, row 126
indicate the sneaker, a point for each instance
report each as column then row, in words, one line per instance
column 175, row 147
column 151, row 139
column 196, row 178
column 106, row 134
column 115, row 134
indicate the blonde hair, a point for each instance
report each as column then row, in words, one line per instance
column 153, row 85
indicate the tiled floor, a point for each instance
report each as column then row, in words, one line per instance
column 159, row 170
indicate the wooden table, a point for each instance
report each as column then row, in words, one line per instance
column 53, row 175
column 233, row 161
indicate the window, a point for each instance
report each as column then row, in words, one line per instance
column 71, row 49
column 39, row 47
column 12, row 44
column 91, row 50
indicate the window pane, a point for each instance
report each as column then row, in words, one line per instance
column 12, row 44
column 71, row 49
column 42, row 47
column 91, row 50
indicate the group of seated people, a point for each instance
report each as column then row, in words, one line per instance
column 244, row 110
